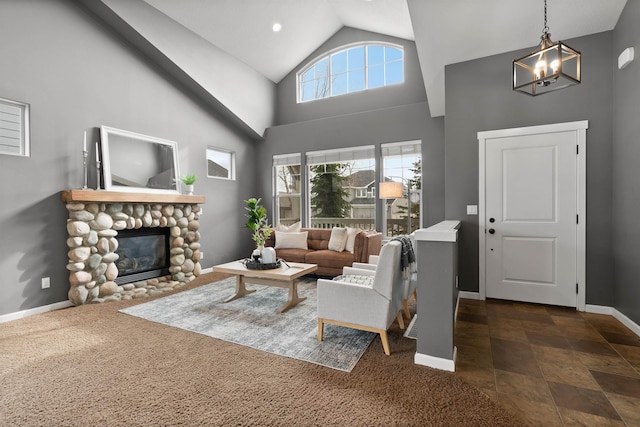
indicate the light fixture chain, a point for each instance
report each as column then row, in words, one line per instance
column 545, row 30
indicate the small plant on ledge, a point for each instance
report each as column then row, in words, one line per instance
column 189, row 179
column 258, row 222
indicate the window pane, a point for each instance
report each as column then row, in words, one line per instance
column 220, row 163
column 339, row 63
column 322, row 88
column 308, row 91
column 376, row 76
column 333, row 189
column 287, row 190
column 392, row 54
column 394, row 73
column 356, row 58
column 356, row 80
column 402, row 163
column 288, row 209
column 308, row 75
column 375, row 55
column 322, row 68
column 339, row 85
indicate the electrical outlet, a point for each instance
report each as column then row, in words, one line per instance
column 46, row 283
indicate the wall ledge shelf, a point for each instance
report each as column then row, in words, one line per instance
column 102, row 196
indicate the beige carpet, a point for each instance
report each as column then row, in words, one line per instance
column 93, row 366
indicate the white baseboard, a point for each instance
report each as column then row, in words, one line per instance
column 437, row 362
column 25, row 313
column 602, row 309
column 469, row 295
column 206, row 270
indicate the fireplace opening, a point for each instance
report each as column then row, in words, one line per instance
column 143, row 254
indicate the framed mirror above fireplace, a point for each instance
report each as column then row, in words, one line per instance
column 138, row 163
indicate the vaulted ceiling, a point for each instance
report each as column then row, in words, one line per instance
column 445, row 31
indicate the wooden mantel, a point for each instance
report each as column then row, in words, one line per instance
column 102, row 196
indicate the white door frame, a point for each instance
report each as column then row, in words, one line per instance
column 580, row 128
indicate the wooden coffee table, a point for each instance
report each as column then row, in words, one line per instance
column 282, row 277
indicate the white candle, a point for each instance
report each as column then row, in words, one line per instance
column 85, row 140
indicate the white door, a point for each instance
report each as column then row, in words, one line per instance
column 531, row 217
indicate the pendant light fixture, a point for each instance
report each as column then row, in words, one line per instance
column 550, row 67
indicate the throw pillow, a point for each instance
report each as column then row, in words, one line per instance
column 338, row 239
column 291, row 240
column 291, row 228
column 351, row 238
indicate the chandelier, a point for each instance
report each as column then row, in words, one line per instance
column 550, row 67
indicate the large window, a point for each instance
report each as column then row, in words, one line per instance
column 336, row 178
column 287, row 187
column 402, row 163
column 352, row 69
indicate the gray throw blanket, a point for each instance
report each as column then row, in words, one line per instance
column 408, row 257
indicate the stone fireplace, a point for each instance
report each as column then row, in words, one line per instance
column 96, row 265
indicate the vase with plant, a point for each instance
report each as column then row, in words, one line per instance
column 258, row 222
column 188, row 181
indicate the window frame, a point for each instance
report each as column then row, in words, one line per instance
column 23, row 122
column 281, row 160
column 412, row 147
column 364, row 153
column 231, row 173
column 328, row 56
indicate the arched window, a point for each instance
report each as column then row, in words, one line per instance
column 351, row 69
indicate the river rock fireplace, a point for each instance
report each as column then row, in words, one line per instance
column 102, row 255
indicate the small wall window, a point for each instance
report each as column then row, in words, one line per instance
column 221, row 163
column 14, row 128
column 352, row 69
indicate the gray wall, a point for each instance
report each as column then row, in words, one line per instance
column 479, row 98
column 626, row 158
column 78, row 75
column 391, row 114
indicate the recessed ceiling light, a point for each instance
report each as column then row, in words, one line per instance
column 276, row 27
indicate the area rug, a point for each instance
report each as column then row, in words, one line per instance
column 253, row 321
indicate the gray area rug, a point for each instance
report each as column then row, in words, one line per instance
column 253, row 321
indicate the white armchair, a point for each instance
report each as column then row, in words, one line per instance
column 368, row 300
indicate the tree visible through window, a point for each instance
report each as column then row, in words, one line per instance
column 334, row 180
column 352, row 69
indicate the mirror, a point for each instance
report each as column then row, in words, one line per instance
column 138, row 163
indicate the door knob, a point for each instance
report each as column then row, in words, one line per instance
column 492, row 220
column 491, row 231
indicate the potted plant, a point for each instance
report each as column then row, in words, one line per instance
column 188, row 181
column 258, row 222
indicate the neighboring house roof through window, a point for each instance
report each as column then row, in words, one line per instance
column 351, row 69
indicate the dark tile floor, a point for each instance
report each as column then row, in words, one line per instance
column 552, row 366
